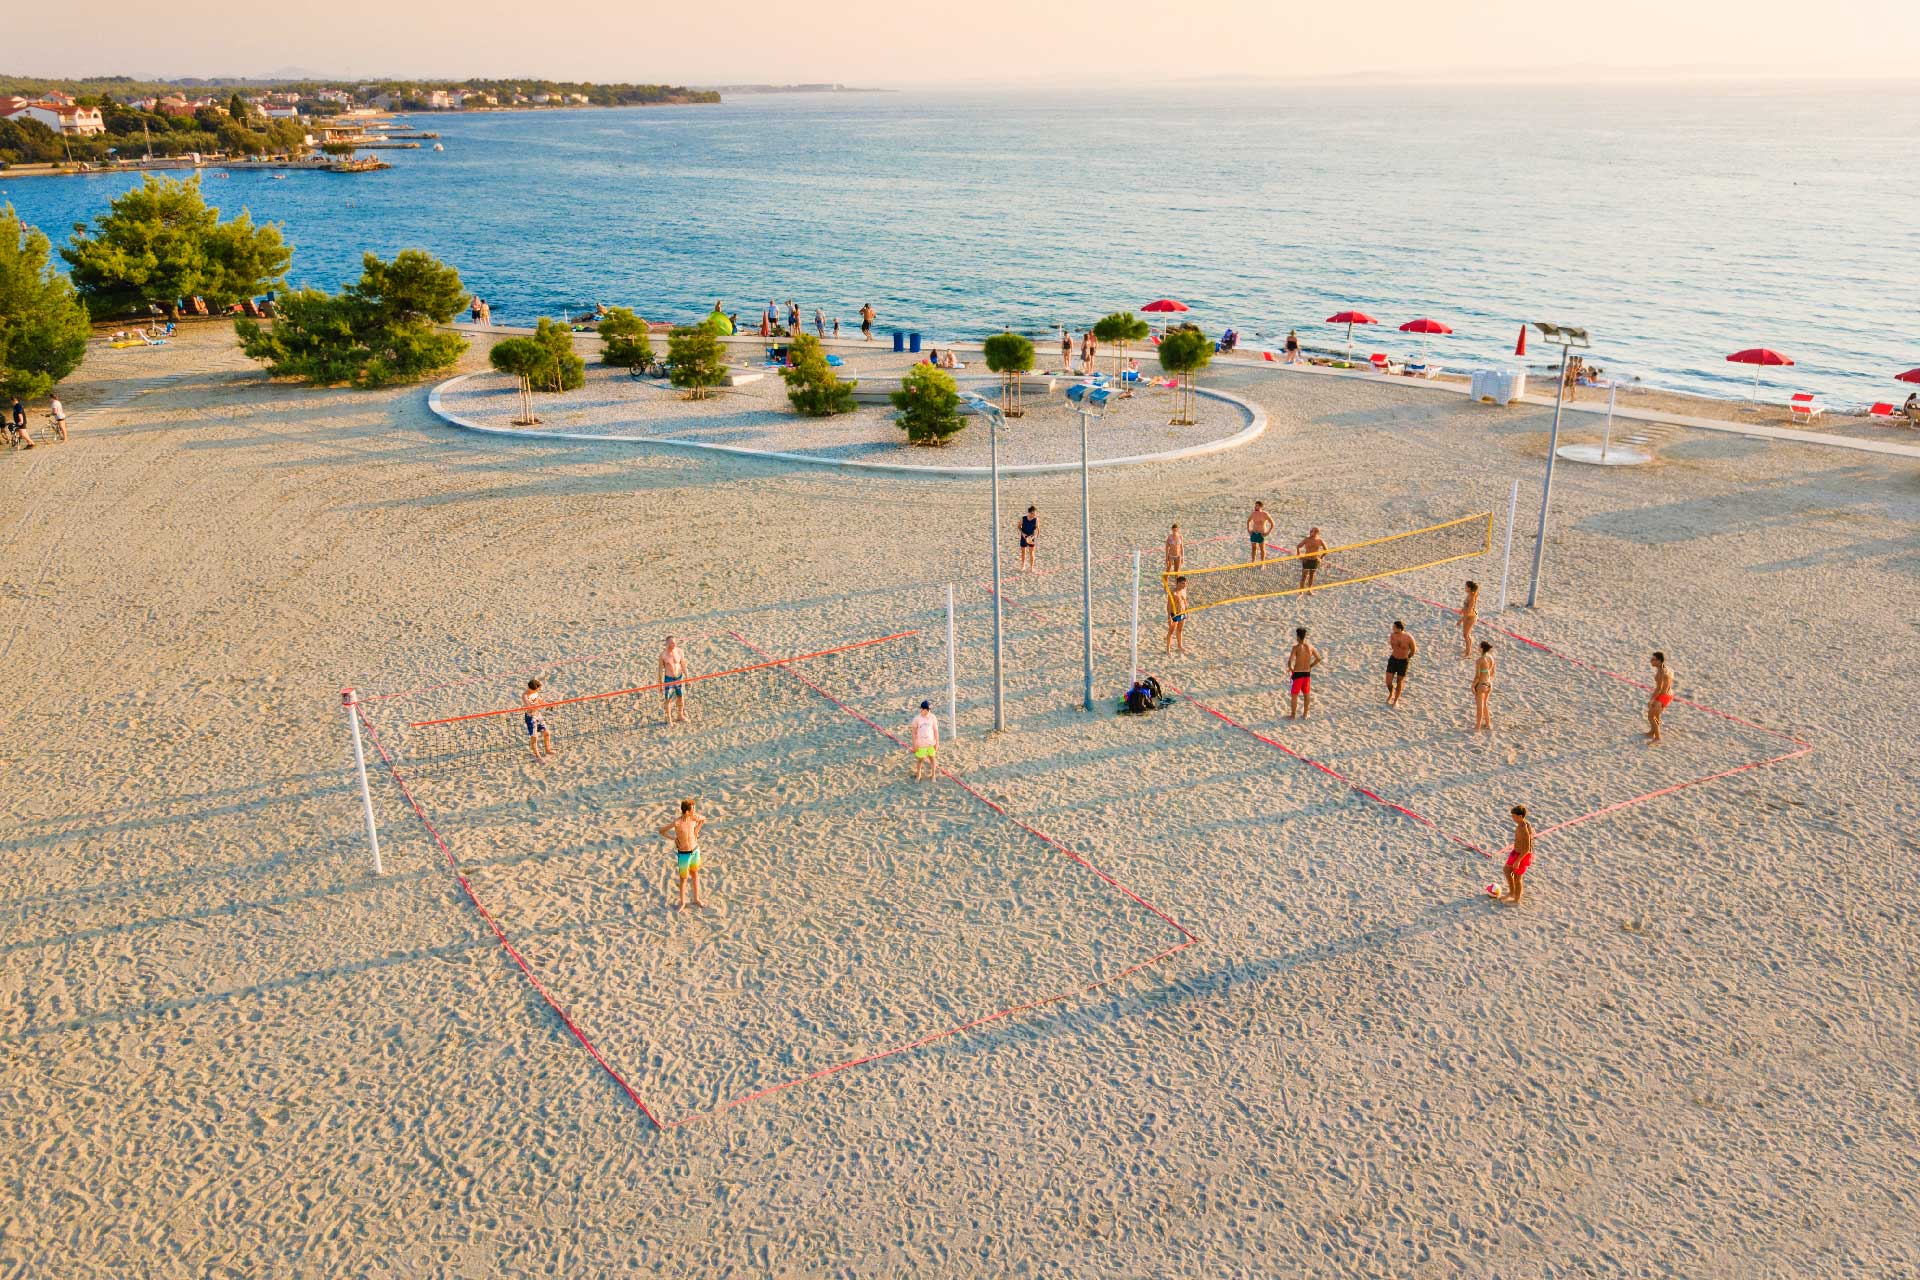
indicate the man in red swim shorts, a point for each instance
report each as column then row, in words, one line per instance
column 1520, row 858
column 1301, row 662
column 1662, row 696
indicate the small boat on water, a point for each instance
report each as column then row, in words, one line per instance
column 438, row 147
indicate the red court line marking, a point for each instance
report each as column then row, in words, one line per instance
column 1333, row 773
column 500, row 933
column 652, row 688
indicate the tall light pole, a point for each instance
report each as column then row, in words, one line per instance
column 996, row 419
column 1568, row 337
column 1091, row 402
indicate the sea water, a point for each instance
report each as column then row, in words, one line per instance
column 1676, row 224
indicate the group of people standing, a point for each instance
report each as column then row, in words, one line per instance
column 19, row 436
column 771, row 318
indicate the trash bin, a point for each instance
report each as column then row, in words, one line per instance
column 913, row 342
column 899, row 341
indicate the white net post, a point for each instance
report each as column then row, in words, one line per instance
column 348, row 701
column 953, row 692
column 1133, row 640
column 1506, row 559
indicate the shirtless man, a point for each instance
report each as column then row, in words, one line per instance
column 1176, row 551
column 685, row 833
column 1259, row 525
column 1029, row 536
column 1662, row 696
column 673, row 682
column 1309, row 549
column 1301, row 661
column 867, row 317
column 538, row 738
column 1518, row 859
column 1177, row 615
column 1401, row 646
column 1469, row 614
column 926, row 743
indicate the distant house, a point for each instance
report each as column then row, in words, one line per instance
column 59, row 117
column 277, row 111
column 441, row 100
column 577, row 97
column 542, row 98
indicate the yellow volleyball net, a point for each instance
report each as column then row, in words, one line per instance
column 1342, row 566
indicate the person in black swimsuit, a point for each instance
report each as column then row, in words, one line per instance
column 1029, row 535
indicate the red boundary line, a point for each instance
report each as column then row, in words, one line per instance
column 652, row 688
column 501, row 934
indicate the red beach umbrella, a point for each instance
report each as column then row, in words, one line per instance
column 1911, row 375
column 1424, row 325
column 1759, row 358
column 1164, row 304
column 1350, row 319
column 1520, row 347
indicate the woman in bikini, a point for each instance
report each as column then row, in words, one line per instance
column 1469, row 614
column 1483, row 688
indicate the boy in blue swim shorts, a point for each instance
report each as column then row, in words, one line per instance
column 538, row 738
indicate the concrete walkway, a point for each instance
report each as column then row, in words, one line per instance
column 1890, row 448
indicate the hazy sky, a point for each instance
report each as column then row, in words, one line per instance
column 906, row 42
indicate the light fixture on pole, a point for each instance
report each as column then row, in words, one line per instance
column 996, row 419
column 1090, row 400
column 1567, row 337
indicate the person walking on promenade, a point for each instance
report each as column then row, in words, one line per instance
column 58, row 412
column 17, row 426
column 1259, row 525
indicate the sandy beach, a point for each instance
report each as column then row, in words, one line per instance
column 1315, row 1047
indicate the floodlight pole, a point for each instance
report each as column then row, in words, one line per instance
column 1553, row 451
column 999, row 696
column 352, row 704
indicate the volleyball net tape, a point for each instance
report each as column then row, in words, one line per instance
column 1341, row 566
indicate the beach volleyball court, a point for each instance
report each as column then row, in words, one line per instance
column 851, row 914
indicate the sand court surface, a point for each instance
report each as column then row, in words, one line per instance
column 230, row 1049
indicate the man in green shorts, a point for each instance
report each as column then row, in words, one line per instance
column 685, row 832
column 1259, row 525
column 926, row 743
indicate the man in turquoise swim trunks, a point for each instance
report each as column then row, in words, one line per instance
column 1259, row 525
column 685, row 832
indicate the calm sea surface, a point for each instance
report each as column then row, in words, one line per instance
column 1677, row 224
